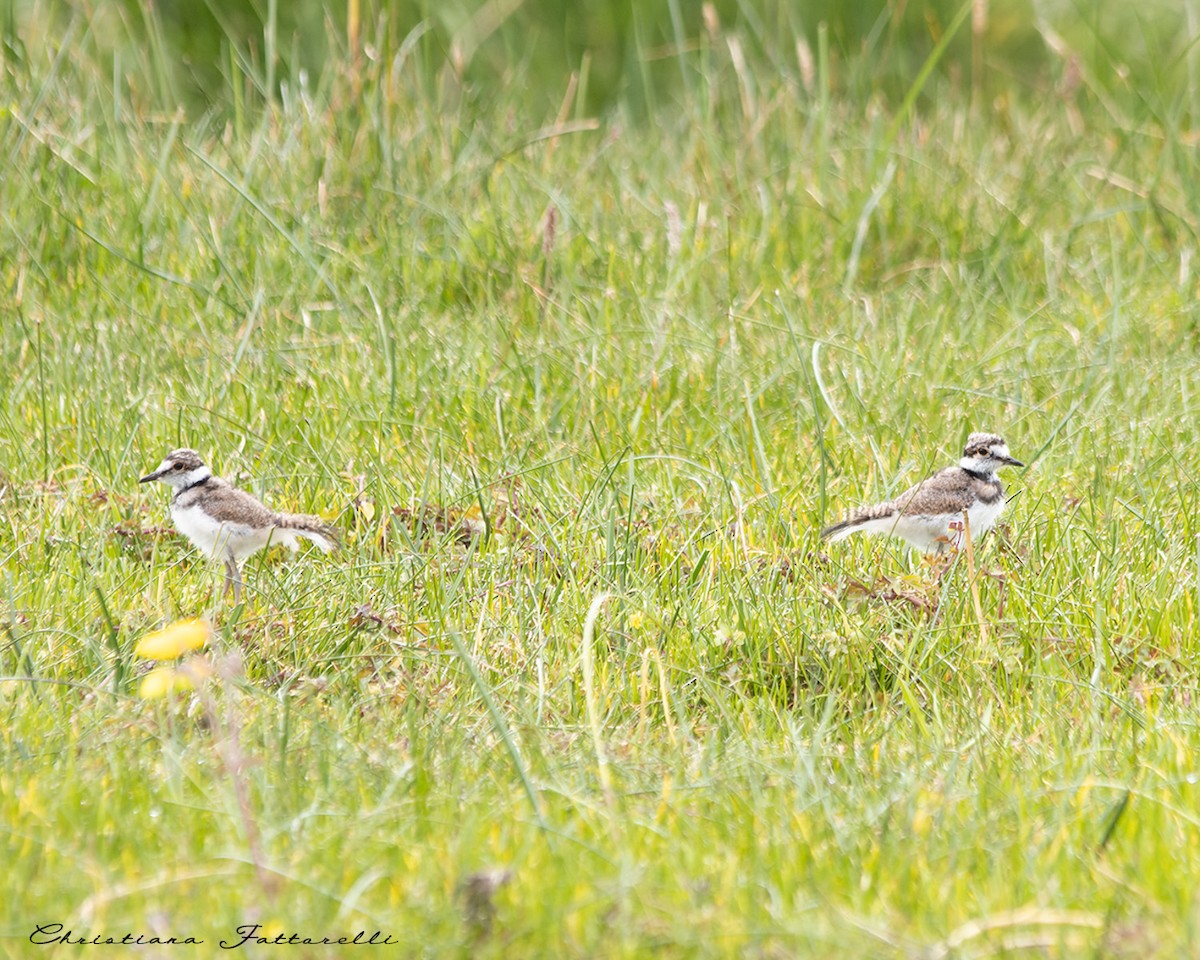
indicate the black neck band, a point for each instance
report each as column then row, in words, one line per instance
column 192, row 486
column 985, row 477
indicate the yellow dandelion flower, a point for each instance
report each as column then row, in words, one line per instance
column 162, row 680
column 172, row 641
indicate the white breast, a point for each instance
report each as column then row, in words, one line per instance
column 983, row 516
column 218, row 540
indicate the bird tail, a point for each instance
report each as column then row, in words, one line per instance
column 839, row 531
column 875, row 518
column 294, row 525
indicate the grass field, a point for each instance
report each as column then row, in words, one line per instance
column 578, row 390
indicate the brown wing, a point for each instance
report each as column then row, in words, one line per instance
column 948, row 491
column 227, row 504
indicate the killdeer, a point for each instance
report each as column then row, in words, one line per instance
column 929, row 516
column 226, row 523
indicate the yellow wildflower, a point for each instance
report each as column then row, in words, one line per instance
column 162, row 680
column 166, row 679
column 172, row 641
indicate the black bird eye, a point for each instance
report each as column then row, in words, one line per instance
column 178, row 466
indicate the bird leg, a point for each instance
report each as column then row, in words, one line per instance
column 233, row 579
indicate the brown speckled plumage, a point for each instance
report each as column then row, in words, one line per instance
column 927, row 514
column 226, row 523
column 952, row 490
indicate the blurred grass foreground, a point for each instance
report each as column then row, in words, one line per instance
column 216, row 54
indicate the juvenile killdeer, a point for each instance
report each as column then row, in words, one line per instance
column 226, row 523
column 930, row 515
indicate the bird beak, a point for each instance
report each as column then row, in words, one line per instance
column 151, row 476
column 1012, row 461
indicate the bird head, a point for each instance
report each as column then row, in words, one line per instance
column 986, row 453
column 180, row 468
